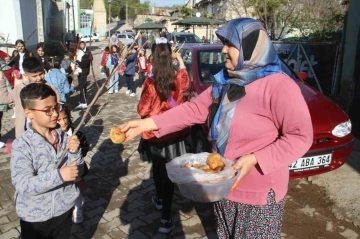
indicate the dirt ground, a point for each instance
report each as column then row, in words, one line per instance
column 308, row 214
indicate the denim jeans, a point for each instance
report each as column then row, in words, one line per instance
column 114, row 82
column 130, row 83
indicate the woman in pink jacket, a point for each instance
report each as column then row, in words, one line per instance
column 258, row 118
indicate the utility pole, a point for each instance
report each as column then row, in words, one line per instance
column 109, row 1
column 126, row 12
column 40, row 21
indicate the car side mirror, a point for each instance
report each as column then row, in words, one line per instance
column 302, row 75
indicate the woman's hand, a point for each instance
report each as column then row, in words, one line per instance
column 245, row 164
column 134, row 128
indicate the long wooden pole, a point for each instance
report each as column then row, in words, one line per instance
column 91, row 63
column 97, row 95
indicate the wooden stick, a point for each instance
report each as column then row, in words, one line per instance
column 30, row 35
column 7, row 47
column 97, row 95
column 91, row 63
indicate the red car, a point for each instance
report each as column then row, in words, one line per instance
column 332, row 127
column 7, row 70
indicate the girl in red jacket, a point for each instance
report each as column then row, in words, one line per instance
column 104, row 57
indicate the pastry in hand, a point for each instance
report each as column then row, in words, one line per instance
column 116, row 136
column 214, row 161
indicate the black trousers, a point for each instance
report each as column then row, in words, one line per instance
column 164, row 187
column 82, row 84
column 55, row 228
column 130, row 83
column 141, row 77
column 159, row 154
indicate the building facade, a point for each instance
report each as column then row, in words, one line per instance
column 21, row 18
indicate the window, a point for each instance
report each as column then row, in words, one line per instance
column 187, row 38
column 210, row 62
column 121, row 36
column 186, row 56
column 85, row 20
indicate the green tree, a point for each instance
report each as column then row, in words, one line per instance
column 283, row 16
column 135, row 7
column 322, row 19
column 185, row 11
column 86, row 4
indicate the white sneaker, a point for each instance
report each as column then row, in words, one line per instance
column 132, row 94
column 13, row 116
column 110, row 92
column 128, row 92
column 116, row 91
column 2, row 144
column 81, row 106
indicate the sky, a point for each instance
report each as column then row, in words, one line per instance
column 166, row 2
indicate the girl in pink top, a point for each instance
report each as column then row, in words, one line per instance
column 141, row 62
column 258, row 118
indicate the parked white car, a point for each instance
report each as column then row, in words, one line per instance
column 125, row 38
column 86, row 38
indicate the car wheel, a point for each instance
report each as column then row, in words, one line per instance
column 201, row 143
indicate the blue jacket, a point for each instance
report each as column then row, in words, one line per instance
column 40, row 192
column 130, row 64
column 112, row 61
column 58, row 80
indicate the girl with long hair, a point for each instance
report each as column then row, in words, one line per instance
column 40, row 54
column 112, row 61
column 141, row 62
column 66, row 125
column 163, row 89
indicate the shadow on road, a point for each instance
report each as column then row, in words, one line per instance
column 106, row 169
column 138, row 208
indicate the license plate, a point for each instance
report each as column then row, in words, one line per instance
column 310, row 163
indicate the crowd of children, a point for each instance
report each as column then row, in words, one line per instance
column 136, row 62
column 48, row 199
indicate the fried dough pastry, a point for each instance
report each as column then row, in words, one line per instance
column 214, row 164
column 116, row 136
column 214, row 161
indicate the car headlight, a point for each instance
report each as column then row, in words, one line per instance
column 343, row 129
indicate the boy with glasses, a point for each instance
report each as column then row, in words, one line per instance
column 45, row 196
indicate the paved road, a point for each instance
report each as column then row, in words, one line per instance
column 118, row 198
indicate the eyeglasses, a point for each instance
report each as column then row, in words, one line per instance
column 50, row 112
